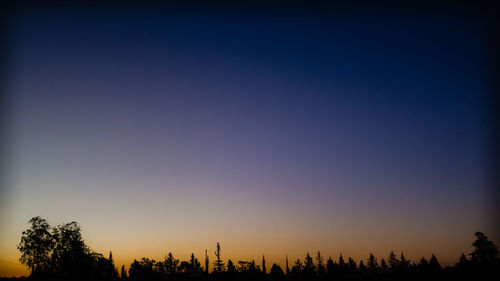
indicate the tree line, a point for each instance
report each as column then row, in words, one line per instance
column 60, row 253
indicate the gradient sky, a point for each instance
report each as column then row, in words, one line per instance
column 272, row 133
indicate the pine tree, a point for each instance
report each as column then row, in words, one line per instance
column 308, row 264
column 393, row 262
column 404, row 263
column 218, row 264
column 342, row 265
column 297, row 268
column 320, row 267
column 423, row 264
column 264, row 265
column 372, row 264
column 383, row 266
column 276, row 272
column 434, row 264
column 330, row 267
column 351, row 265
column 111, row 270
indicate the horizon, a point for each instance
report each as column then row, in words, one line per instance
column 272, row 131
column 272, row 260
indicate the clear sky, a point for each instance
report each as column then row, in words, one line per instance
column 271, row 133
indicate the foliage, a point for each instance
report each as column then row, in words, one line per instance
column 60, row 252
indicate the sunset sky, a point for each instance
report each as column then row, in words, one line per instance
column 275, row 133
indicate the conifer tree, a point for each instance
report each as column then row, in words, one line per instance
column 218, row 264
column 383, row 266
column 276, row 272
column 320, row 267
column 404, row 262
column 342, row 265
column 423, row 263
column 352, row 266
column 330, row 266
column 264, row 265
column 308, row 264
column 393, row 262
column 372, row 264
column 434, row 264
column 297, row 268
column 112, row 271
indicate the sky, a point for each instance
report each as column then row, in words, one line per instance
column 273, row 133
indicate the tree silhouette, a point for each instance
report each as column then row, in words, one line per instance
column 36, row 246
column 463, row 259
column 383, row 266
column 362, row 268
column 244, row 266
column 276, row 272
column 434, row 265
column 331, row 268
column 485, row 251
column 309, row 268
column 342, row 270
column 253, row 268
column 423, row 265
column 170, row 264
column 393, row 262
column 218, row 264
column 351, row 266
column 297, row 269
column 320, row 267
column 372, row 264
column 61, row 253
column 404, row 263
column 206, row 261
column 230, row 266
column 194, row 266
column 123, row 273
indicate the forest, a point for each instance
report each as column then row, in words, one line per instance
column 60, row 253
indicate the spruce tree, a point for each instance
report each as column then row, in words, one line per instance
column 393, row 262
column 308, row 264
column 434, row 264
column 218, row 264
column 372, row 264
column 320, row 267
column 383, row 266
